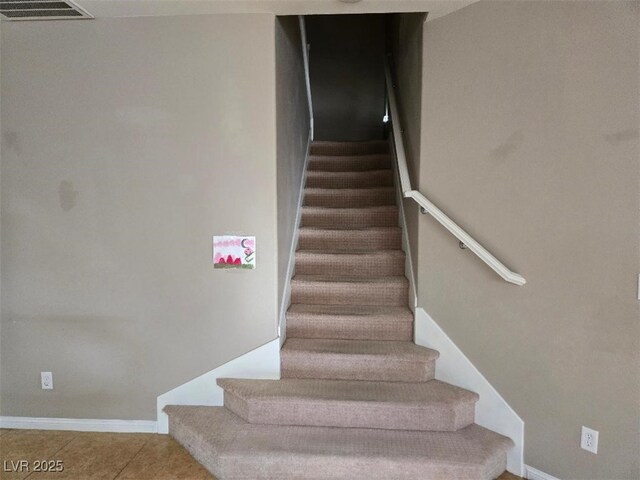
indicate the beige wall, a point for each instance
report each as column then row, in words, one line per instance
column 292, row 135
column 127, row 144
column 530, row 141
column 405, row 40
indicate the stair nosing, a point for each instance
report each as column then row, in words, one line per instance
column 386, row 253
column 328, row 279
column 480, row 458
column 458, row 394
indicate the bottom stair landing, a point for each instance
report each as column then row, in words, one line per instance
column 234, row 449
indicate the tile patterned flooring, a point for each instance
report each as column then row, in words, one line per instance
column 103, row 456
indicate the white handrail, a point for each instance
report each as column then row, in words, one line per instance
column 427, row 206
column 305, row 58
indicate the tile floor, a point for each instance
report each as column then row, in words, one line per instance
column 102, row 456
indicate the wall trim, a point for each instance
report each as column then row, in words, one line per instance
column 79, row 424
column 307, row 77
column 492, row 411
column 260, row 363
column 286, row 296
column 531, row 473
column 406, row 247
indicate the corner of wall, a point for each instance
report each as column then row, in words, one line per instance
column 262, row 363
column 406, row 245
column 531, row 473
column 492, row 411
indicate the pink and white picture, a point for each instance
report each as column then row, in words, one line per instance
column 231, row 251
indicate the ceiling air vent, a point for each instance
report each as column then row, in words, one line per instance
column 40, row 10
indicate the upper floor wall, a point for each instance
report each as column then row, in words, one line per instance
column 346, row 63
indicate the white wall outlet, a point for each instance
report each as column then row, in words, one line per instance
column 46, row 379
column 589, row 440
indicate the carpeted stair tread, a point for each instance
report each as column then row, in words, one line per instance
column 429, row 406
column 350, row 240
column 361, row 311
column 365, row 264
column 385, row 361
column 320, row 147
column 318, row 289
column 349, row 163
column 349, row 218
column 369, row 179
column 351, row 322
column 403, row 351
column 233, row 449
column 349, row 197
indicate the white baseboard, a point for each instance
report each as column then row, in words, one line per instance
column 531, row 473
column 286, row 297
column 262, row 362
column 406, row 247
column 79, row 424
column 492, row 411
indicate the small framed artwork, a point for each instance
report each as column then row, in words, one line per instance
column 234, row 251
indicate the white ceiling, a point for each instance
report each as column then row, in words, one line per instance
column 138, row 8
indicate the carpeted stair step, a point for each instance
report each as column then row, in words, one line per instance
column 320, row 147
column 349, row 163
column 324, row 290
column 352, row 240
column 428, row 406
column 366, row 264
column 349, row 218
column 350, row 322
column 233, row 449
column 373, row 178
column 349, row 197
column 381, row 361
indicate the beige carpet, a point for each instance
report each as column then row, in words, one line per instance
column 358, row 399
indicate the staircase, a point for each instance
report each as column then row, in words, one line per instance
column 358, row 399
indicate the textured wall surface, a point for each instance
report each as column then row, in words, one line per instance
column 530, row 142
column 127, row 144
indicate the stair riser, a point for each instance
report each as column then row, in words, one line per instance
column 349, row 163
column 349, row 241
column 344, row 367
column 348, row 328
column 352, row 414
column 230, row 448
column 351, row 266
column 344, row 293
column 347, row 198
column 350, row 219
column 378, row 178
column 191, row 440
column 341, row 467
column 336, row 148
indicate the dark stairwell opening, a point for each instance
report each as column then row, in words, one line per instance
column 346, row 66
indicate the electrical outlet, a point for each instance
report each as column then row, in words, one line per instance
column 46, row 380
column 589, row 440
